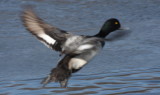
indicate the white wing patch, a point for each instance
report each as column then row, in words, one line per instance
column 34, row 24
column 47, row 38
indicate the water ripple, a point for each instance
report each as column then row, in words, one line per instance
column 111, row 83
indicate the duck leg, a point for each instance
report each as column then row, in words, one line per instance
column 59, row 74
column 64, row 83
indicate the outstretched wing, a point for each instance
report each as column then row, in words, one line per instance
column 47, row 34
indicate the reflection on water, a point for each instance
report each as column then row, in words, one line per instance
column 138, row 81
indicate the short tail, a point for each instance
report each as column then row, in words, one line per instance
column 58, row 74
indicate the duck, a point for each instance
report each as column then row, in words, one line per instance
column 77, row 50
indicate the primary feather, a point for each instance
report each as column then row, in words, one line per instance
column 49, row 35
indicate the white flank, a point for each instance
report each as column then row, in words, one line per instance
column 84, row 47
column 47, row 38
column 76, row 63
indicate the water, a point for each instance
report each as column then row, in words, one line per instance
column 130, row 82
column 126, row 66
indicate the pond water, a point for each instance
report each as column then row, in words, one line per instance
column 127, row 66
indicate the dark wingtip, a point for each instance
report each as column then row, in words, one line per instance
column 24, row 12
column 26, row 8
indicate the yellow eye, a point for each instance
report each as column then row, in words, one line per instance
column 116, row 23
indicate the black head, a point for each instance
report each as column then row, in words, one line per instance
column 109, row 26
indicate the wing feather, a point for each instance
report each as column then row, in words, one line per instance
column 47, row 34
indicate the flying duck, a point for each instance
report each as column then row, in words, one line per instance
column 78, row 50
